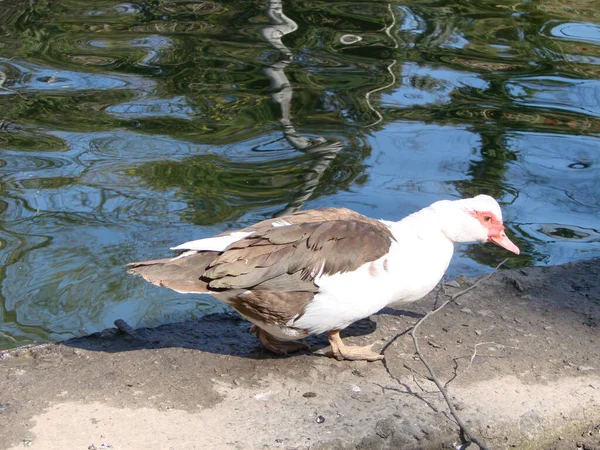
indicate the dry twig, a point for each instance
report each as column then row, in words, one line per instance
column 472, row 359
column 466, row 433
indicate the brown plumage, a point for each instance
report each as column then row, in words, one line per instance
column 269, row 306
column 282, row 259
column 275, row 255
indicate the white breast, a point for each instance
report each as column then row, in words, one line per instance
column 409, row 271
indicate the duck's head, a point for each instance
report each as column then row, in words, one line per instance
column 474, row 219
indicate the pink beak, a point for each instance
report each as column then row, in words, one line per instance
column 503, row 241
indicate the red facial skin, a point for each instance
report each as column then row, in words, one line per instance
column 495, row 230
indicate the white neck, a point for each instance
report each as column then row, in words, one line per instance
column 450, row 218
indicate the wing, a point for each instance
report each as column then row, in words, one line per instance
column 221, row 241
column 180, row 274
column 289, row 258
column 308, row 216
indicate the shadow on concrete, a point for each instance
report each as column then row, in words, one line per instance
column 221, row 333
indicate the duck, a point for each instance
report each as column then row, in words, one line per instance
column 320, row 270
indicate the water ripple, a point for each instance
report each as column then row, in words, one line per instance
column 127, row 127
column 573, row 31
column 122, row 9
column 424, row 85
column 28, row 77
column 569, row 232
column 411, row 22
column 154, row 107
column 580, row 96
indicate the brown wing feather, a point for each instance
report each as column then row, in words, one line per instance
column 273, row 307
column 182, row 274
column 284, row 253
column 307, row 216
column 284, row 259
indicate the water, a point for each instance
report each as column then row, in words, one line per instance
column 126, row 128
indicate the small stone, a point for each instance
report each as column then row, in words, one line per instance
column 585, row 368
column 355, row 388
column 547, row 327
column 466, row 311
column 478, row 332
column 92, row 447
column 517, row 285
column 385, row 427
column 320, row 419
column 309, row 394
column 453, row 284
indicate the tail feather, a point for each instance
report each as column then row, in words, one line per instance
column 181, row 274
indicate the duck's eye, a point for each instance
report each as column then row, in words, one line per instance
column 487, row 218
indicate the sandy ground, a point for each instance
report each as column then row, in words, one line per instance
column 519, row 353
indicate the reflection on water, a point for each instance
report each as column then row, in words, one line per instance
column 127, row 128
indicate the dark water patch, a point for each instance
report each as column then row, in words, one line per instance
column 570, row 233
column 29, row 140
column 48, row 183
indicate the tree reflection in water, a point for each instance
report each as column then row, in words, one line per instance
column 128, row 127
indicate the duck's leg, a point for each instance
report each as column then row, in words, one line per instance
column 274, row 345
column 340, row 351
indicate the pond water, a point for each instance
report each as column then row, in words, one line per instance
column 126, row 128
